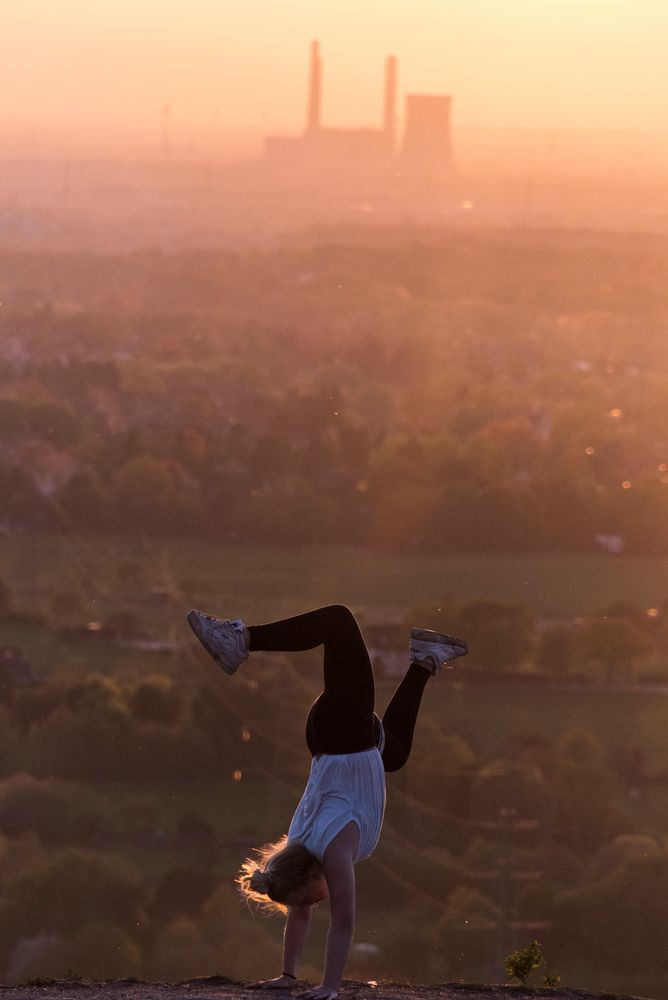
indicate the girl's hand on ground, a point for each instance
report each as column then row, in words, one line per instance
column 280, row 983
column 319, row 993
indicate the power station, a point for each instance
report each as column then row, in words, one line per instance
column 422, row 154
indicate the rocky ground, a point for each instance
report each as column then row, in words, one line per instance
column 225, row 989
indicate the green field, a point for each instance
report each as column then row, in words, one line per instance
column 262, row 581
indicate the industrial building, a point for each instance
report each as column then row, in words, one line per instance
column 421, row 155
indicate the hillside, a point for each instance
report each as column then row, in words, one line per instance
column 220, row 988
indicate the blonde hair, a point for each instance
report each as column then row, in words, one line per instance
column 277, row 870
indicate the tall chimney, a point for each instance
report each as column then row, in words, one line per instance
column 389, row 102
column 314, row 89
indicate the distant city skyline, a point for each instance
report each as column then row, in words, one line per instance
column 555, row 64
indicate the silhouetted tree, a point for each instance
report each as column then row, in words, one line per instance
column 614, row 645
column 499, row 633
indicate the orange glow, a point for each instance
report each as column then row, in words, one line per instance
column 615, row 413
column 237, row 776
column 581, row 64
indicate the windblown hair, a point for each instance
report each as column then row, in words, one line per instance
column 277, row 870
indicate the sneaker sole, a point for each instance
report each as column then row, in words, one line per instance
column 194, row 622
column 426, row 635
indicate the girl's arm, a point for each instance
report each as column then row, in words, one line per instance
column 340, row 875
column 294, row 937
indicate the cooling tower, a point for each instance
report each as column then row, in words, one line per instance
column 426, row 148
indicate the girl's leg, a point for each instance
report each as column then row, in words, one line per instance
column 401, row 715
column 341, row 719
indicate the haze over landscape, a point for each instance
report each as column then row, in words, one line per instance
column 320, row 302
column 144, row 124
column 556, row 64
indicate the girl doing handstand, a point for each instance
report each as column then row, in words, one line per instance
column 338, row 820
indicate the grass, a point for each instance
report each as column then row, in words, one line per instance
column 264, row 581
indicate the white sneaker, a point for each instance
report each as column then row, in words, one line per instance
column 433, row 649
column 225, row 640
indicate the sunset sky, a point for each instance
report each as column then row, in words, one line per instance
column 242, row 64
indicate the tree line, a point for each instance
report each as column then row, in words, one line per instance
column 466, row 394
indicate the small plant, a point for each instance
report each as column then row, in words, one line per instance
column 520, row 965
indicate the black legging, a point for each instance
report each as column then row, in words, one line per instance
column 341, row 719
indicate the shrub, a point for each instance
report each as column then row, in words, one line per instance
column 619, row 921
column 522, row 963
column 70, row 889
column 59, row 812
column 8, row 742
column 6, row 599
column 180, row 953
column 157, row 699
column 180, row 892
column 91, row 741
column 555, row 651
column 500, row 634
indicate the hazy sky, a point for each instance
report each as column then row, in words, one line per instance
column 242, row 64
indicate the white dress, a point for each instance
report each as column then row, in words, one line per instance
column 341, row 788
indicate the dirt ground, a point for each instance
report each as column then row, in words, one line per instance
column 225, row 989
